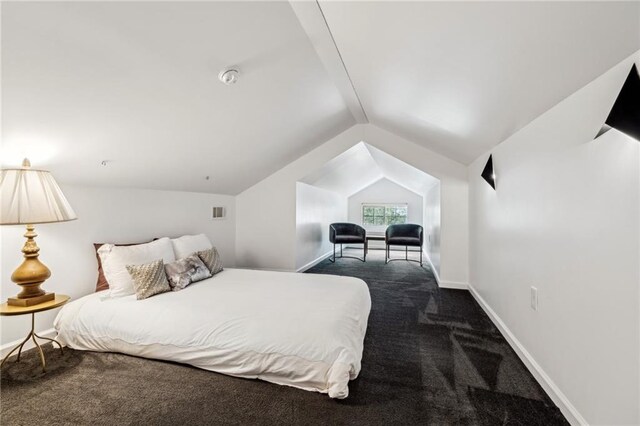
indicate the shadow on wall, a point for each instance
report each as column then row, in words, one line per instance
column 312, row 231
column 316, row 208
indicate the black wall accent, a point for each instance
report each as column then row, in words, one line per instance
column 487, row 172
column 625, row 114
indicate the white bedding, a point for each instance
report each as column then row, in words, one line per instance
column 301, row 330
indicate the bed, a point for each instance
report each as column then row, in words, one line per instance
column 300, row 330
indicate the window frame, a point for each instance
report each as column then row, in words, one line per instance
column 385, row 220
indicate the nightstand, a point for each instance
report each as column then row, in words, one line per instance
column 9, row 310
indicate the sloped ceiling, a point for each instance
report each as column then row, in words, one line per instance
column 363, row 165
column 402, row 173
column 461, row 77
column 135, row 83
column 347, row 173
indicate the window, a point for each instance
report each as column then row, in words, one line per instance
column 383, row 214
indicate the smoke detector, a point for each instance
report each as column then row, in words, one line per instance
column 229, row 76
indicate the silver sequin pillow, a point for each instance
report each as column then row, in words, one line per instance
column 211, row 258
column 149, row 279
column 185, row 271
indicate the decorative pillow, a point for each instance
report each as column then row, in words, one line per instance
column 185, row 271
column 116, row 258
column 211, row 258
column 102, row 283
column 149, row 279
column 189, row 244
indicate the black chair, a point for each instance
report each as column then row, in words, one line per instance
column 407, row 235
column 346, row 233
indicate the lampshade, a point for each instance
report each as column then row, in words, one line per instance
column 30, row 196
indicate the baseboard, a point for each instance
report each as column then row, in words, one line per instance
column 6, row 348
column 315, row 262
column 433, row 268
column 568, row 410
column 443, row 284
column 453, row 285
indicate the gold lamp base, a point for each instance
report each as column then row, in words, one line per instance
column 14, row 301
column 30, row 275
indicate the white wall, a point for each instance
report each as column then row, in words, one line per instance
column 566, row 219
column 275, row 198
column 385, row 191
column 432, row 225
column 108, row 215
column 316, row 209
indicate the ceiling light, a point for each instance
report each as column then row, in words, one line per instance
column 229, row 76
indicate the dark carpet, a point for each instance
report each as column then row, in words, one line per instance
column 431, row 356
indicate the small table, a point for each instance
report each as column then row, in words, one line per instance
column 373, row 237
column 9, row 310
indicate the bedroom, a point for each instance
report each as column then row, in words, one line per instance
column 127, row 104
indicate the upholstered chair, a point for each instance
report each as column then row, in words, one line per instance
column 347, row 233
column 407, row 235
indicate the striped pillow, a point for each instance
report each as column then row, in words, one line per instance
column 211, row 259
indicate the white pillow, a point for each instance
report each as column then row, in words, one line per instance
column 189, row 244
column 116, row 258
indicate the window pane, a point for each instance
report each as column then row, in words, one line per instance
column 383, row 215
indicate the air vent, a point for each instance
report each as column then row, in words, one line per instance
column 218, row 213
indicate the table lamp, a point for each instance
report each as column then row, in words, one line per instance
column 28, row 197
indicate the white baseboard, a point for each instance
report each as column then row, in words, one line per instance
column 6, row 348
column 443, row 284
column 433, row 268
column 315, row 262
column 453, row 285
column 568, row 410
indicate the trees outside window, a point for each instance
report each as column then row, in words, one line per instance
column 383, row 214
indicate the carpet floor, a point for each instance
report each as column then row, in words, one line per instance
column 431, row 356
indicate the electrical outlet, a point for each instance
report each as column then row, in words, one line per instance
column 534, row 298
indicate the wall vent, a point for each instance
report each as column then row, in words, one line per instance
column 218, row 213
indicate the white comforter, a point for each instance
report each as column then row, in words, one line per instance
column 301, row 330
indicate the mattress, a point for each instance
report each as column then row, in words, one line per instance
column 300, row 330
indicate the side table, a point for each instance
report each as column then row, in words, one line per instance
column 372, row 237
column 9, row 310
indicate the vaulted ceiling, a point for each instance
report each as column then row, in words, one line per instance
column 363, row 165
column 461, row 77
column 135, row 83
